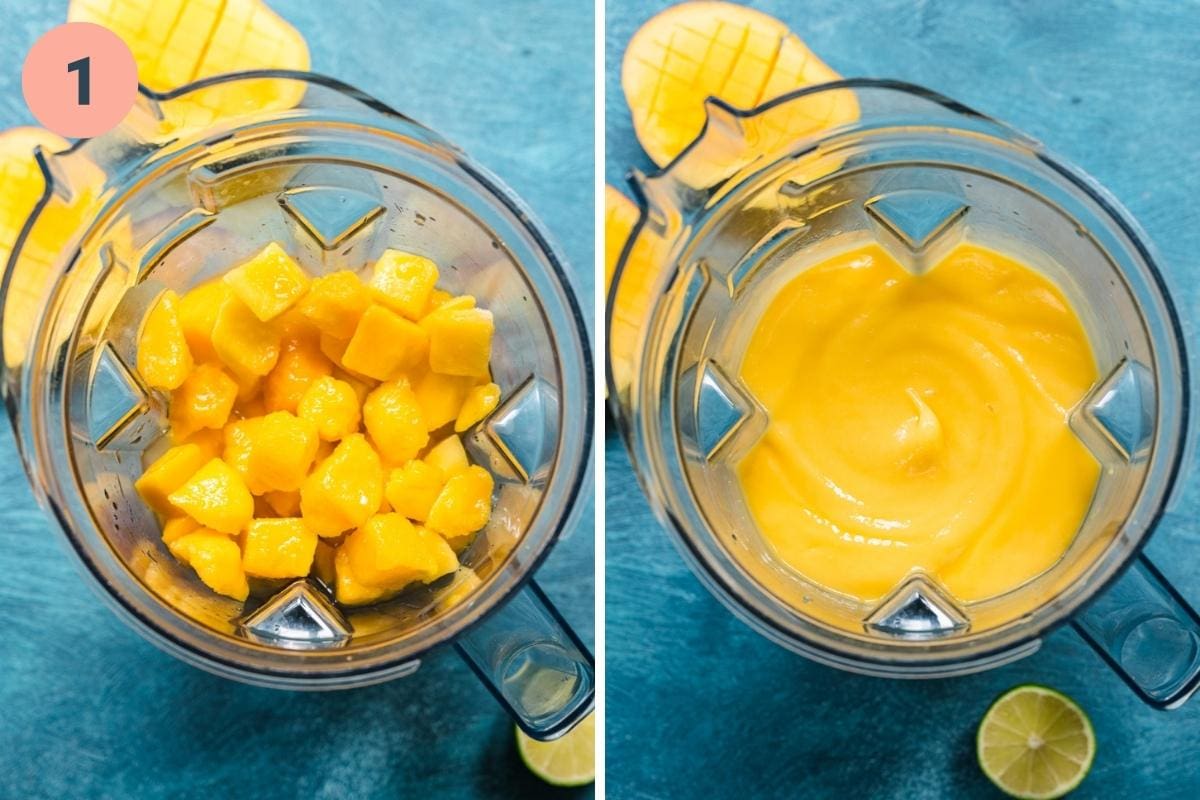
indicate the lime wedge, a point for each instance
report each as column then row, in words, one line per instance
column 1035, row 743
column 568, row 761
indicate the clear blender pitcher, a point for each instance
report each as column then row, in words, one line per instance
column 176, row 195
column 747, row 205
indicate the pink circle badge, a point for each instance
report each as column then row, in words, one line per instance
column 79, row 80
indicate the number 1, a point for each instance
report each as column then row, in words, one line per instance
column 84, row 67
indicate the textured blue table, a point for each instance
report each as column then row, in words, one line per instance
column 698, row 705
column 90, row 710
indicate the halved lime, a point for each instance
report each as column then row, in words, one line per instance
column 1035, row 743
column 567, row 761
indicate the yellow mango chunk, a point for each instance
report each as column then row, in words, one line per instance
column 412, row 489
column 693, row 51
column 216, row 497
column 344, row 490
column 332, row 406
column 204, row 400
column 465, row 582
column 463, row 507
column 246, row 344
column 347, row 587
column 392, row 417
column 440, row 397
column 335, row 302
column 436, row 298
column 620, row 215
column 269, row 283
column 460, row 341
column 362, row 386
column 384, row 344
column 323, row 563
column 163, row 358
column 210, row 440
column 300, row 363
column 283, row 504
column 170, row 471
column 453, row 303
column 198, row 311
column 278, row 548
column 403, row 282
column 390, row 552
column 281, row 447
column 240, row 436
column 480, row 401
column 177, row 527
column 216, row 560
column 448, row 456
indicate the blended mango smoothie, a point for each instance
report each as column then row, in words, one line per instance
column 919, row 422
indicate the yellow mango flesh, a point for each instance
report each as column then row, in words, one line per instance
column 243, row 342
column 390, row 552
column 269, row 283
column 335, row 303
column 216, row 497
column 696, row 50
column 412, row 489
column 216, row 560
column 384, row 343
column 460, row 340
column 204, row 400
column 300, row 363
column 441, row 397
column 344, row 490
column 278, row 548
column 392, row 416
column 349, row 590
column 283, row 504
column 479, row 402
column 176, row 528
column 403, row 282
column 170, row 471
column 448, row 456
column 198, row 311
column 281, row 450
column 163, row 358
column 332, row 406
column 463, row 506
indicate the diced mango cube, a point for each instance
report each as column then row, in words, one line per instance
column 448, row 456
column 412, row 489
column 204, row 400
column 300, row 363
column 480, row 401
column 163, row 358
column 344, row 490
column 440, row 397
column 240, row 437
column 178, row 527
column 463, row 507
column 282, row 448
column 436, row 298
column 246, row 344
column 269, row 283
column 216, row 497
column 323, row 563
column 170, row 471
column 460, row 341
column 210, row 440
column 278, row 548
column 348, row 589
column 198, row 311
column 333, row 348
column 332, row 406
column 335, row 302
column 216, row 560
column 392, row 417
column 384, row 344
column 284, row 504
column 404, row 281
column 361, row 385
column 390, row 552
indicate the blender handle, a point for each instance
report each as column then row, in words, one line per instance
column 534, row 664
column 1148, row 634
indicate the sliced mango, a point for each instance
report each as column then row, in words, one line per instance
column 283, row 504
column 281, row 448
column 385, row 343
column 390, row 552
column 349, row 590
column 448, row 456
column 278, row 548
column 463, row 506
column 177, row 527
column 404, row 282
column 332, row 406
column 480, row 401
column 198, row 311
column 344, row 490
column 300, row 363
column 412, row 489
column 170, row 471
column 392, row 416
column 204, row 400
column 335, row 303
column 460, row 340
column 216, row 560
column 163, row 358
column 441, row 397
column 269, row 283
column 216, row 497
column 243, row 342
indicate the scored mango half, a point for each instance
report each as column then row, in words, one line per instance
column 697, row 50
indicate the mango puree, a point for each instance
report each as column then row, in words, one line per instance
column 919, row 422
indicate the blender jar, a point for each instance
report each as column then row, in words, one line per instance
column 176, row 195
column 746, row 207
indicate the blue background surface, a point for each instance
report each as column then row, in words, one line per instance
column 722, row 712
column 90, row 710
